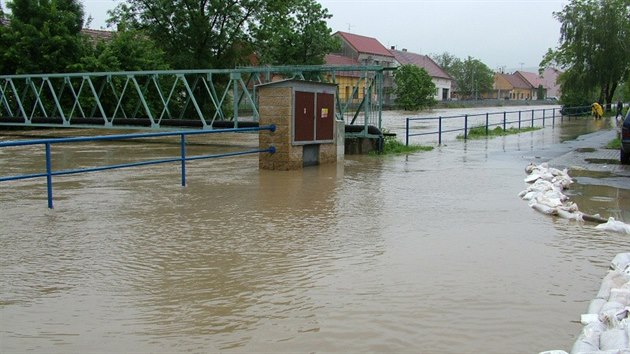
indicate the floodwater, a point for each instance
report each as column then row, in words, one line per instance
column 432, row 252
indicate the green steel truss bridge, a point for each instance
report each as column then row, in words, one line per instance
column 204, row 99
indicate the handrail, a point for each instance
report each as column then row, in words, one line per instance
column 182, row 158
column 504, row 121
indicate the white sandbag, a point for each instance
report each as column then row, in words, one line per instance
column 545, row 209
column 530, row 195
column 614, row 279
column 530, row 168
column 577, row 216
column 595, row 306
column 588, row 318
column 620, row 295
column 588, row 340
column 620, row 262
column 613, row 339
column 612, row 313
column 615, row 226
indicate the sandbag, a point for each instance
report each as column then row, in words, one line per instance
column 614, row 279
column 588, row 341
column 612, row 313
column 615, row 226
column 595, row 306
column 620, row 262
column 613, row 339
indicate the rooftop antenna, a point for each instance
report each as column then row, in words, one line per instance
column 350, row 27
column 521, row 66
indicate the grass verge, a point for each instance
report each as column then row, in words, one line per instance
column 393, row 146
column 480, row 132
column 614, row 144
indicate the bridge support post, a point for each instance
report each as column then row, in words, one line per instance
column 307, row 132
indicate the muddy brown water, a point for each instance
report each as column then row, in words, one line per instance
column 430, row 252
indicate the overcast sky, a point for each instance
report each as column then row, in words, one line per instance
column 501, row 33
column 512, row 34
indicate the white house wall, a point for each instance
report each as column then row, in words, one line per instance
column 441, row 85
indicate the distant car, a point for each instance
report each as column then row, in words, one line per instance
column 624, row 156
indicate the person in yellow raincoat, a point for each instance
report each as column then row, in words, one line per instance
column 597, row 110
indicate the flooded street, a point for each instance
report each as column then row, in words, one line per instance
column 431, row 252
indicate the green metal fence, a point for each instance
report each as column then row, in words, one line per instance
column 205, row 99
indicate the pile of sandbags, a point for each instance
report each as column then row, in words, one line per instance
column 544, row 194
column 606, row 323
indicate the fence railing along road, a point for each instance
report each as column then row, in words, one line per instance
column 182, row 158
column 462, row 123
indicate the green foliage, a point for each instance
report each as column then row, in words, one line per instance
column 479, row 132
column 41, row 36
column 125, row 51
column 614, row 144
column 393, row 146
column 594, row 37
column 473, row 76
column 220, row 34
column 414, row 88
column 295, row 34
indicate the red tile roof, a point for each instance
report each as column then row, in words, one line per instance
column 533, row 79
column 340, row 60
column 517, row 81
column 422, row 61
column 336, row 59
column 364, row 44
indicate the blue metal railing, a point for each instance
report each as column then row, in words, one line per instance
column 517, row 119
column 506, row 119
column 182, row 158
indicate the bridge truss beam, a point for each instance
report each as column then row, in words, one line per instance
column 206, row 99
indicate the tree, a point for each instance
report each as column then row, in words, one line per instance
column 124, row 51
column 446, row 61
column 414, row 88
column 594, row 48
column 472, row 76
column 295, row 34
column 41, row 36
column 200, row 34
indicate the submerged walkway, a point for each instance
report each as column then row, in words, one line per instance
column 589, row 152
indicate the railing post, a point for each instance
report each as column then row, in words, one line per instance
column 532, row 118
column 553, row 117
column 543, row 118
column 487, row 124
column 504, row 121
column 440, row 130
column 519, row 120
column 466, row 127
column 49, row 176
column 182, row 149
column 407, row 132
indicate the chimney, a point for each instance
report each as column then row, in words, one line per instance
column 404, row 49
column 393, row 47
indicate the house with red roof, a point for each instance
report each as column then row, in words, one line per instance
column 359, row 50
column 523, row 85
column 511, row 87
column 349, row 82
column 550, row 82
column 444, row 83
column 535, row 82
column 365, row 50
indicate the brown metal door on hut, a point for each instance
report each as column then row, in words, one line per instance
column 304, row 116
column 325, row 116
